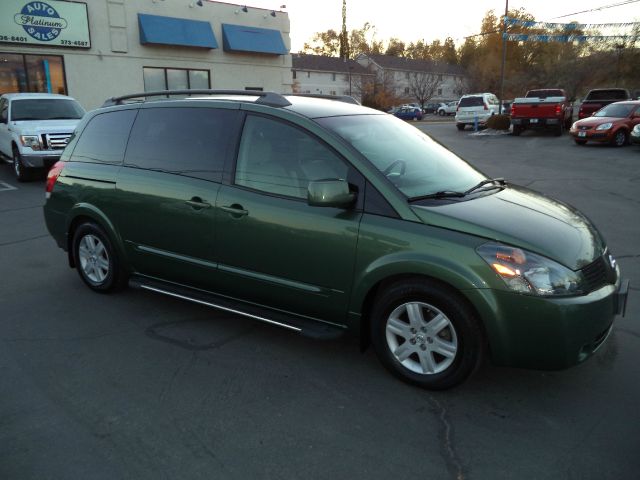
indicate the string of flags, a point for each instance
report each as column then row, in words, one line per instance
column 519, row 37
column 566, row 26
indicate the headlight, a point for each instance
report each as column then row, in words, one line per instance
column 526, row 272
column 636, row 129
column 604, row 126
column 31, row 141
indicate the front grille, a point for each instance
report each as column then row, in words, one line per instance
column 598, row 274
column 55, row 141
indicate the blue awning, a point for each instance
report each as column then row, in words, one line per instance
column 237, row 38
column 175, row 31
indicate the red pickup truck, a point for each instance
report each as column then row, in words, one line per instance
column 544, row 108
column 601, row 97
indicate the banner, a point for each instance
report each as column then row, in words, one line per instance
column 54, row 23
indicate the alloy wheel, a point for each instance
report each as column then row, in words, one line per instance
column 421, row 337
column 94, row 259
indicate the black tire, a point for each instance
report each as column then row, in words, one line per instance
column 113, row 275
column 580, row 142
column 517, row 130
column 22, row 173
column 462, row 330
column 441, row 113
column 559, row 130
column 460, row 126
column 619, row 139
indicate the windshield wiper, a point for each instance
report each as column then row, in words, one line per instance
column 453, row 194
column 501, row 182
column 442, row 194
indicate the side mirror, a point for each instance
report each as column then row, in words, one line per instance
column 330, row 193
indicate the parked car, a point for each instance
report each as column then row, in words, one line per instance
column 611, row 124
column 35, row 128
column 635, row 135
column 326, row 218
column 408, row 113
column 541, row 109
column 476, row 107
column 431, row 107
column 447, row 109
column 601, row 97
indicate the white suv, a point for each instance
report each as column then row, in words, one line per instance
column 35, row 128
column 476, row 107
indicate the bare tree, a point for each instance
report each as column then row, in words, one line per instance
column 423, row 86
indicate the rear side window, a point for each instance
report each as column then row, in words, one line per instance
column 544, row 93
column 183, row 141
column 104, row 139
column 471, row 102
column 612, row 94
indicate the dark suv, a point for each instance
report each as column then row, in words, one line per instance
column 324, row 218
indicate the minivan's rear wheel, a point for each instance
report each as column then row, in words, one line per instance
column 426, row 335
column 96, row 260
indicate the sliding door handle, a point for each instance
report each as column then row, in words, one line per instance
column 235, row 210
column 197, row 203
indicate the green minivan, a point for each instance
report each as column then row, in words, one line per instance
column 325, row 218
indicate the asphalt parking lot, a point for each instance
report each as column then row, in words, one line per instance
column 137, row 386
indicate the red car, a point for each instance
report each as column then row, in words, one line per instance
column 611, row 124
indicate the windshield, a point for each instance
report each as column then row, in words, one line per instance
column 614, row 110
column 45, row 109
column 410, row 159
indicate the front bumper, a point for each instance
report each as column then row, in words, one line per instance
column 41, row 160
column 548, row 333
column 592, row 135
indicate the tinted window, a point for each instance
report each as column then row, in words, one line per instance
column 551, row 92
column 612, row 94
column 471, row 102
column 45, row 109
column 277, row 158
column 184, row 141
column 104, row 139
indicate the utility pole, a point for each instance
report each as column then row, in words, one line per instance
column 344, row 36
column 504, row 53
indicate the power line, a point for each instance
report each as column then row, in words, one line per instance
column 604, row 7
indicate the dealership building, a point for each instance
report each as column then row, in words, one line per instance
column 105, row 48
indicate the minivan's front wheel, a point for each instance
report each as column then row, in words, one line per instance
column 426, row 335
column 96, row 260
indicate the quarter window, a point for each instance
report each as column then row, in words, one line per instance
column 277, row 158
column 104, row 139
column 185, row 141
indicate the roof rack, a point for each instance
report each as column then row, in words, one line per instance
column 338, row 98
column 265, row 98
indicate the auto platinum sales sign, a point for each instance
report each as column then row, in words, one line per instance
column 60, row 24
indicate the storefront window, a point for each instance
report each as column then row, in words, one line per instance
column 174, row 79
column 31, row 73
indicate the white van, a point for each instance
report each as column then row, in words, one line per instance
column 476, row 107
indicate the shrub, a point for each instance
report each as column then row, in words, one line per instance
column 499, row 122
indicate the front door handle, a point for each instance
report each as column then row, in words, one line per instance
column 197, row 203
column 235, row 210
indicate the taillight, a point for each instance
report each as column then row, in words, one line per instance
column 52, row 176
column 558, row 109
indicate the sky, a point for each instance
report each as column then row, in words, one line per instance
column 411, row 20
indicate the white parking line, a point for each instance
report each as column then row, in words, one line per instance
column 5, row 186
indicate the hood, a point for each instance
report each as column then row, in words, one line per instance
column 594, row 121
column 37, row 127
column 523, row 218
